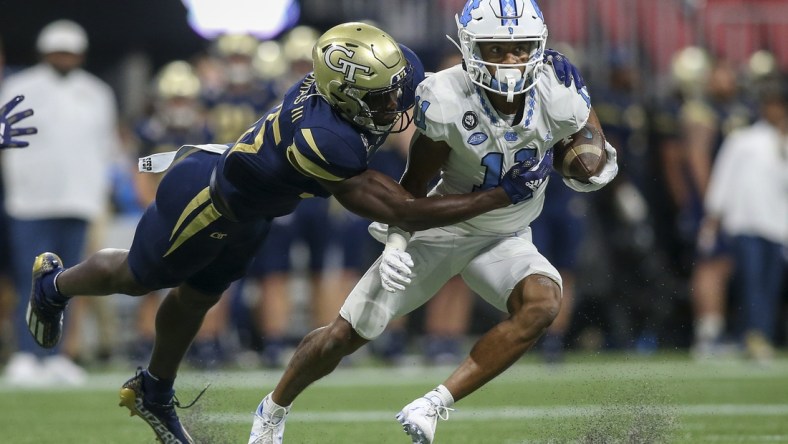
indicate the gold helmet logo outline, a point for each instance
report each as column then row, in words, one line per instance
column 344, row 65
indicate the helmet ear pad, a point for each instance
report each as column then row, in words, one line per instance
column 346, row 105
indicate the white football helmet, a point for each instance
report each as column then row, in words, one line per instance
column 502, row 21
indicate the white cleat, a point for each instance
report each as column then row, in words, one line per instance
column 268, row 428
column 419, row 419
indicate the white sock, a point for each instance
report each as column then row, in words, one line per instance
column 709, row 327
column 440, row 395
column 272, row 409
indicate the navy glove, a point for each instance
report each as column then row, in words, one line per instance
column 524, row 178
column 564, row 69
column 7, row 131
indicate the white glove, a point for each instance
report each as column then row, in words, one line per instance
column 395, row 269
column 395, row 262
column 605, row 176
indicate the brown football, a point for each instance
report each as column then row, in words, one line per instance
column 580, row 155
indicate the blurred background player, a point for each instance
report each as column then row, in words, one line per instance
column 622, row 236
column 705, row 120
column 76, row 113
column 747, row 199
column 238, row 97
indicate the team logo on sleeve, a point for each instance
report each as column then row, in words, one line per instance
column 470, row 120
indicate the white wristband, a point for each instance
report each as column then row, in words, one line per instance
column 397, row 238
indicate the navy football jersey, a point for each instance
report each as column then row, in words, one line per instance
column 274, row 164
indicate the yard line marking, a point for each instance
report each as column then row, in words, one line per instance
column 421, row 374
column 515, row 412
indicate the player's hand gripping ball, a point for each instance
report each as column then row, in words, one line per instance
column 580, row 155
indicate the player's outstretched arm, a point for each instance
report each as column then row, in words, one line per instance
column 376, row 196
column 7, row 121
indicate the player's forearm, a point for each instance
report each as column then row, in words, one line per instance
column 418, row 188
column 376, row 196
column 438, row 211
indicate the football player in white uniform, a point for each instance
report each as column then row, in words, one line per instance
column 474, row 121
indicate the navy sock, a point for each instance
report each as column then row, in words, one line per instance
column 51, row 293
column 157, row 390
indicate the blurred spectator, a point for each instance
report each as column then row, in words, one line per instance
column 705, row 121
column 621, row 233
column 52, row 208
column 748, row 200
column 241, row 97
column 447, row 320
column 276, row 266
column 7, row 295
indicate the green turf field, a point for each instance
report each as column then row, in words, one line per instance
column 597, row 399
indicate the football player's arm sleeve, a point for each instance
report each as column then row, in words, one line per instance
column 609, row 171
column 320, row 154
column 428, row 115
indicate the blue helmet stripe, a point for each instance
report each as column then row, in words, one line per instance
column 538, row 11
column 465, row 16
column 508, row 9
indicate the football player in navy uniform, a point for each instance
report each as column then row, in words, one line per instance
column 179, row 117
column 214, row 206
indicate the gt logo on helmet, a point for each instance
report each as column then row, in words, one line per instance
column 344, row 65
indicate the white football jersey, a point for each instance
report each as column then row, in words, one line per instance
column 450, row 108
